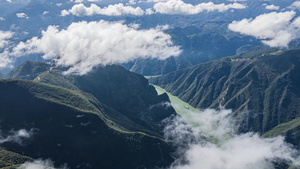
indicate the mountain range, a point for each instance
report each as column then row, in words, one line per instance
column 261, row 88
column 202, row 37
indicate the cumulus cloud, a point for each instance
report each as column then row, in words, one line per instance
column 5, row 60
column 180, row 7
column 40, row 164
column 272, row 7
column 131, row 2
column 17, row 136
column 111, row 10
column 22, row 15
column 77, row 1
column 85, row 45
column 4, row 38
column 237, row 0
column 209, row 141
column 274, row 29
column 80, row 1
column 296, row 4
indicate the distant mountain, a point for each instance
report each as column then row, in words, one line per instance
column 32, row 18
column 28, row 70
column 109, row 118
column 1, row 75
column 202, row 42
column 262, row 89
column 203, row 37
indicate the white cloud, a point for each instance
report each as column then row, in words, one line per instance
column 237, row 0
column 275, row 29
column 85, row 45
column 77, row 1
column 17, row 136
column 180, row 7
column 9, row 1
column 4, row 38
column 131, row 2
column 59, row 4
column 296, row 4
column 272, row 7
column 22, row 15
column 80, row 1
column 5, row 60
column 111, row 10
column 212, row 143
column 45, row 12
column 40, row 164
column 149, row 11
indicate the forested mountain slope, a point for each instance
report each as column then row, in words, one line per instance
column 107, row 119
column 262, row 88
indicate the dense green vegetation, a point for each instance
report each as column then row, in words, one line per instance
column 10, row 159
column 109, row 118
column 261, row 87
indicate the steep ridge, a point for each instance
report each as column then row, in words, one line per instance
column 127, row 97
column 67, row 128
column 28, row 70
column 262, row 88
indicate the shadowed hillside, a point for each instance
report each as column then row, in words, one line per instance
column 110, row 118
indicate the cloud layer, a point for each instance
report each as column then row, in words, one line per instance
column 17, row 136
column 85, row 45
column 40, row 164
column 111, row 10
column 180, row 7
column 274, row 29
column 160, row 6
column 211, row 143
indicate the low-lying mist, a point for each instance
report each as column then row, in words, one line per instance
column 208, row 139
column 40, row 164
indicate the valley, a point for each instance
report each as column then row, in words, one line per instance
column 149, row 84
